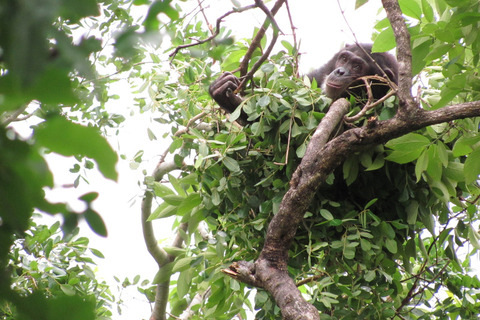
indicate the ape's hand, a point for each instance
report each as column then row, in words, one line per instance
column 222, row 91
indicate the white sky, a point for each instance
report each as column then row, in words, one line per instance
column 322, row 32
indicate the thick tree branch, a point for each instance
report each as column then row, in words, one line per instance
column 404, row 57
column 160, row 255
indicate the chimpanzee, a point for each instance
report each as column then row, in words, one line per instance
column 338, row 77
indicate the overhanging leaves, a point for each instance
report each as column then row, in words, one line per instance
column 69, row 139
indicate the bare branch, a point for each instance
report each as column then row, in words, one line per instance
column 256, row 44
column 294, row 34
column 215, row 34
column 258, row 37
column 9, row 117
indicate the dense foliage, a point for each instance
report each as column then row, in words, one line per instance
column 387, row 236
column 60, row 268
column 392, row 233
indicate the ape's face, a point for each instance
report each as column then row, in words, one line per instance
column 348, row 68
column 352, row 63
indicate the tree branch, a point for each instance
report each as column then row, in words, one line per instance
column 256, row 43
column 258, row 37
column 404, row 57
column 215, row 34
column 159, row 254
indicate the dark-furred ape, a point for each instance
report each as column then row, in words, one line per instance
column 338, row 78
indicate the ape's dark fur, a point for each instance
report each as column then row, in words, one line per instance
column 338, row 77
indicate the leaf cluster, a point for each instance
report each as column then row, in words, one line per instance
column 58, row 271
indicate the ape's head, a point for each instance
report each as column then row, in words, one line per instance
column 352, row 63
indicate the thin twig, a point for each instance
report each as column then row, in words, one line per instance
column 390, row 82
column 205, row 16
column 292, row 119
column 215, row 34
column 294, row 34
column 370, row 105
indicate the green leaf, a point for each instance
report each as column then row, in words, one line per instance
column 161, row 190
column 455, row 172
column 302, row 149
column 183, row 282
column 463, row 145
column 407, row 148
column 442, row 153
column 365, row 245
column 412, row 212
column 473, row 237
column 434, row 167
column 267, row 67
column 95, row 222
column 388, row 230
column 75, row 10
column 410, row 8
column 263, row 101
column 67, row 289
column 189, row 203
column 428, row 11
column 439, row 189
column 385, row 41
column 176, row 144
column 408, row 141
column 326, row 214
column 231, row 164
column 472, row 166
column 438, row 51
column 350, row 170
column 359, row 3
column 349, row 252
column 69, row 139
column 163, row 275
column 370, row 275
column 391, row 245
column 370, row 203
column 97, row 253
column 164, row 210
column 421, row 165
column 173, row 199
column 378, row 163
column 54, row 87
column 89, row 197
column 182, row 264
column 152, row 23
column 174, row 251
